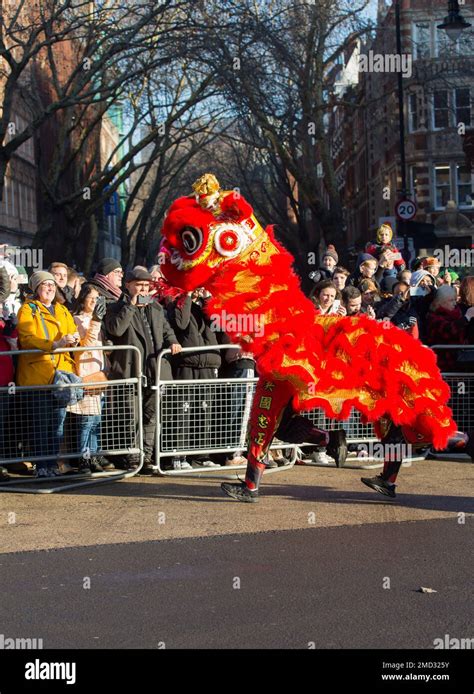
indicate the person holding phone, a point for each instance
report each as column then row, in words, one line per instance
column 384, row 249
column 326, row 298
column 139, row 321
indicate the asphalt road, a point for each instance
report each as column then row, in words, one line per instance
column 328, row 587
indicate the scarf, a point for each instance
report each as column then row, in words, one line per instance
column 103, row 279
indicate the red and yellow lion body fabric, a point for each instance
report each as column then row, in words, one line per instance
column 213, row 240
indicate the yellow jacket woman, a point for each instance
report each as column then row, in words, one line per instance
column 46, row 325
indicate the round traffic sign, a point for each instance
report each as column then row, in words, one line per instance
column 405, row 209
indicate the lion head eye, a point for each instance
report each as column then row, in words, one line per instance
column 228, row 240
column 191, row 238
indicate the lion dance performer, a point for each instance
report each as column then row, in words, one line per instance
column 212, row 239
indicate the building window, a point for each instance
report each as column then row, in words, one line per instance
column 413, row 123
column 440, row 109
column 462, row 104
column 442, row 185
column 421, row 40
column 464, row 186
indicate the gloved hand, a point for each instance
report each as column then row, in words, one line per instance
column 100, row 309
column 412, row 320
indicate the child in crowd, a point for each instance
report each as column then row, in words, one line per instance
column 328, row 264
column 383, row 246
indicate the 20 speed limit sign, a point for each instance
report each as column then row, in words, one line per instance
column 405, row 209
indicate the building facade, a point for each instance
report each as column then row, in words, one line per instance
column 438, row 91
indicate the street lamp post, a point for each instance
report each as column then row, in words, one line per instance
column 402, row 226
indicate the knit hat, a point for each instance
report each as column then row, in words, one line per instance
column 363, row 257
column 331, row 253
column 384, row 227
column 107, row 265
column 426, row 263
column 38, row 277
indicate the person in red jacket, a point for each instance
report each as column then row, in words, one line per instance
column 445, row 324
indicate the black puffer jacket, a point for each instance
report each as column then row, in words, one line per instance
column 193, row 329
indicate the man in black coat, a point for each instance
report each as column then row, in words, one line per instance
column 194, row 329
column 198, row 415
column 140, row 321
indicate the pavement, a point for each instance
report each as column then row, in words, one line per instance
column 320, row 562
column 150, row 508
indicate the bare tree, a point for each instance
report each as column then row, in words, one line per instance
column 62, row 54
column 165, row 123
column 274, row 62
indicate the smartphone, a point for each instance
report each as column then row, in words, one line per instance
column 144, row 300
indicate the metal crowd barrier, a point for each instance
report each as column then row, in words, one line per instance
column 204, row 418
column 462, row 390
column 210, row 417
column 193, row 418
column 28, row 417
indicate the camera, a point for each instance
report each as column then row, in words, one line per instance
column 144, row 300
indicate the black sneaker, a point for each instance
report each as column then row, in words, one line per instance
column 95, row 465
column 380, row 485
column 240, row 492
column 84, row 467
column 337, row 446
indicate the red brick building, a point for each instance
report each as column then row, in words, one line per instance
column 438, row 102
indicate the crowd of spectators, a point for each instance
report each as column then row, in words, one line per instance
column 429, row 302
column 60, row 309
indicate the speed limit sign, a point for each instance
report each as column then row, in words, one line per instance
column 405, row 209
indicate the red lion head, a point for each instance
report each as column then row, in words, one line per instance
column 201, row 233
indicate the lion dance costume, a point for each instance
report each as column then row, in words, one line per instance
column 212, row 239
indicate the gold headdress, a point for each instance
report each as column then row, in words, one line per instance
column 207, row 192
